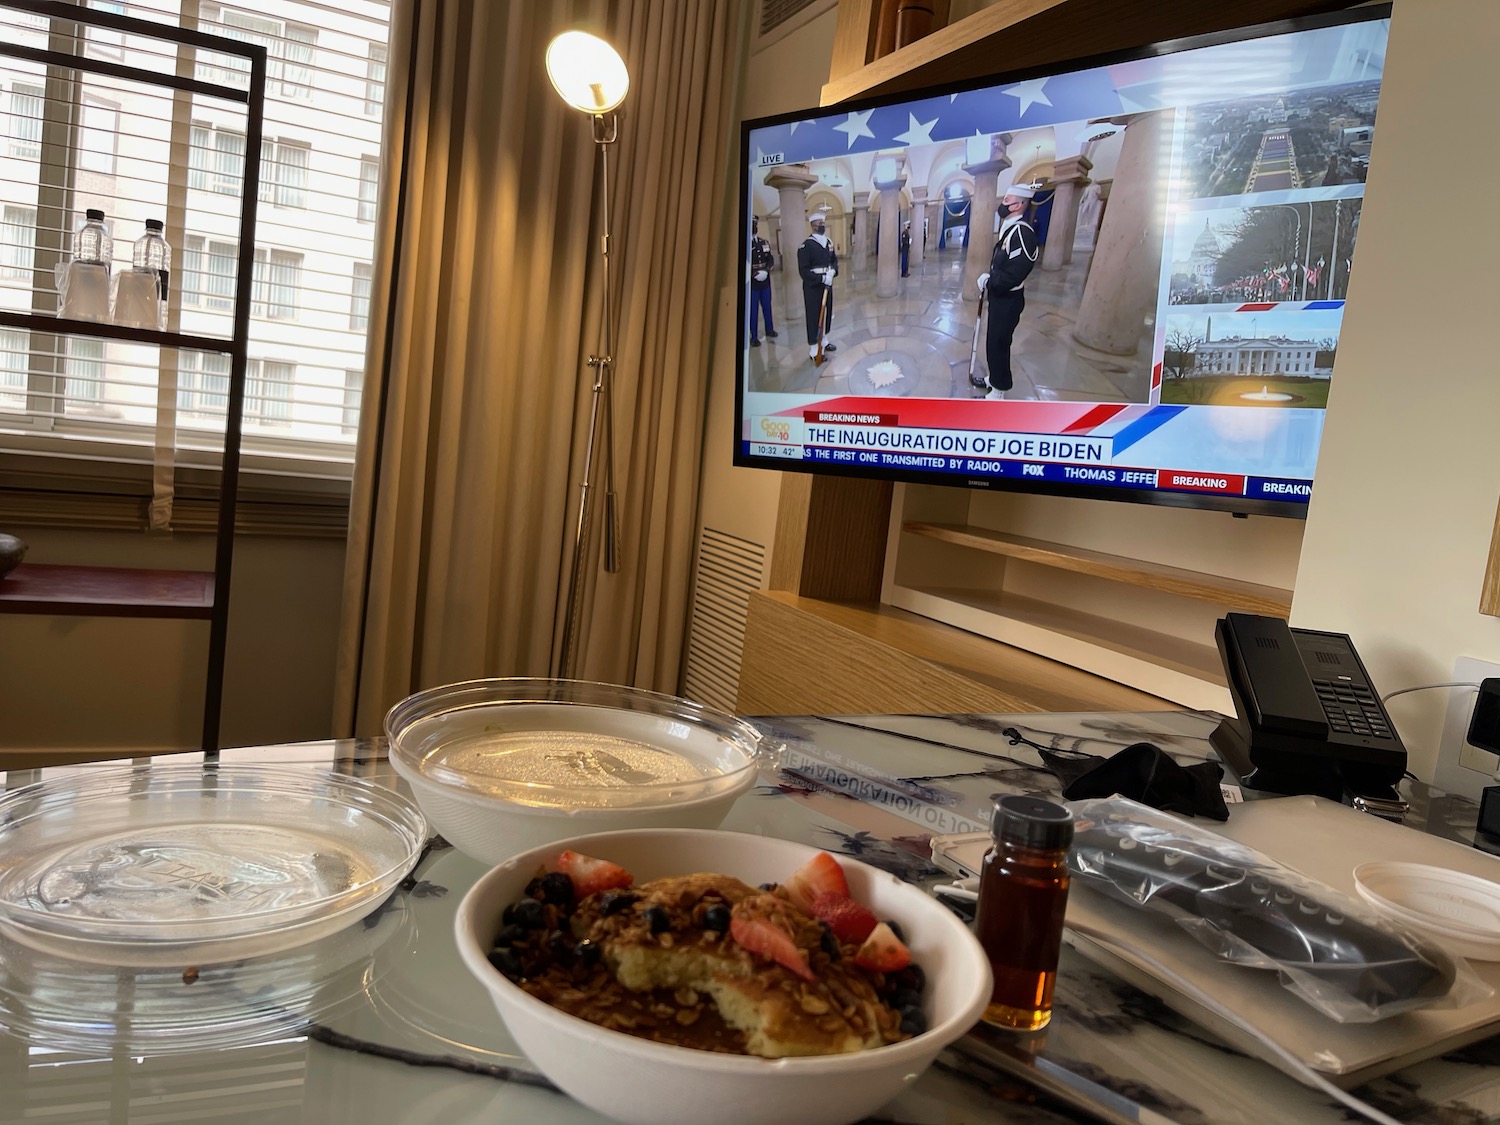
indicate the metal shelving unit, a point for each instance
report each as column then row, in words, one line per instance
column 67, row 22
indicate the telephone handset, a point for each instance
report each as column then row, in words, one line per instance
column 1308, row 720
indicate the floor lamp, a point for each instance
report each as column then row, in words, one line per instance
column 590, row 76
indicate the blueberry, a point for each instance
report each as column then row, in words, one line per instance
column 911, row 977
column 903, row 998
column 896, row 929
column 509, row 935
column 716, row 918
column 507, row 962
column 557, row 889
column 913, row 1022
column 587, row 953
column 830, row 944
column 768, row 886
column 529, row 914
column 560, row 945
column 658, row 919
column 612, row 902
column 534, row 888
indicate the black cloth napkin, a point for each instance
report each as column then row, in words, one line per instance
column 1143, row 772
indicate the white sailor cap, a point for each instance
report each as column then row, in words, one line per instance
column 1022, row 191
column 817, row 217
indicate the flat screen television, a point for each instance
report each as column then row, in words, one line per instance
column 1194, row 208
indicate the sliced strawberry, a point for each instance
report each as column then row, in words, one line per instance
column 850, row 921
column 592, row 875
column 819, row 875
column 883, row 951
column 762, row 936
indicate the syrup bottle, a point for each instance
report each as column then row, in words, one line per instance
column 1023, row 893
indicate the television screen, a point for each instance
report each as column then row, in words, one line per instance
column 1122, row 279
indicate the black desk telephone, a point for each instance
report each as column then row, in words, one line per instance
column 1307, row 720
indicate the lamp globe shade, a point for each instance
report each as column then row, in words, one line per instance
column 587, row 72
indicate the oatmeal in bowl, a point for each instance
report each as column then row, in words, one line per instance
column 659, row 975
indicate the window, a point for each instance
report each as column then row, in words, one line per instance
column 309, row 288
column 369, row 185
column 208, row 273
column 375, row 80
column 296, row 73
column 26, row 120
column 359, row 305
column 290, row 49
column 15, row 349
column 268, row 391
column 277, row 288
column 106, row 42
column 85, row 370
column 203, row 389
column 354, row 389
column 283, row 173
column 97, row 133
column 202, row 383
column 229, row 162
column 200, row 145
column 17, row 242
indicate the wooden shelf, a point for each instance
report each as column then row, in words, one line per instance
column 1015, row 35
column 810, row 656
column 107, row 591
column 1244, row 597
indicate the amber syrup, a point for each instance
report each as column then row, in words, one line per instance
column 1023, row 895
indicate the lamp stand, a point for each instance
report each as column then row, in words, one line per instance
column 601, row 418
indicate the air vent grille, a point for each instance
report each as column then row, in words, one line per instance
column 774, row 13
column 729, row 570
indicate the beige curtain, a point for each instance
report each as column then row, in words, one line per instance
column 488, row 283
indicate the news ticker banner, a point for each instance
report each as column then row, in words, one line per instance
column 1104, row 445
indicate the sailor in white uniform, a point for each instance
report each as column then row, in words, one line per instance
column 1005, row 284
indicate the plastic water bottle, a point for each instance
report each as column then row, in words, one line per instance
column 152, row 253
column 91, row 242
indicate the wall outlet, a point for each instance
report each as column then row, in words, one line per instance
column 1462, row 768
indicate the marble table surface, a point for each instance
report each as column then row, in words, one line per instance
column 381, row 1023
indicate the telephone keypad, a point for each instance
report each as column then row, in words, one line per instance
column 1352, row 709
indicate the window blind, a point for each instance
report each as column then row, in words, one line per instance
column 140, row 151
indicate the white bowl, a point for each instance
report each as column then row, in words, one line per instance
column 441, row 741
column 640, row 1082
column 191, row 865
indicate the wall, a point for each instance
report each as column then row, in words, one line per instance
column 782, row 75
column 1393, row 558
column 123, row 683
column 1399, row 526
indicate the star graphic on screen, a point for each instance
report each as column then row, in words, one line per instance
column 917, row 132
column 796, row 123
column 1029, row 93
column 857, row 126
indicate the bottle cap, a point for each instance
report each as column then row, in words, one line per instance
column 94, row 213
column 1032, row 822
column 153, row 224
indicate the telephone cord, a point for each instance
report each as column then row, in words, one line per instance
column 1423, row 687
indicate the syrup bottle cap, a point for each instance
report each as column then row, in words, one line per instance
column 1032, row 822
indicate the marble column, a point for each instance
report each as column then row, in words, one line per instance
column 1120, row 293
column 986, row 175
column 791, row 181
column 1070, row 176
column 888, row 253
column 918, row 209
column 934, row 222
column 860, row 251
column 770, row 230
